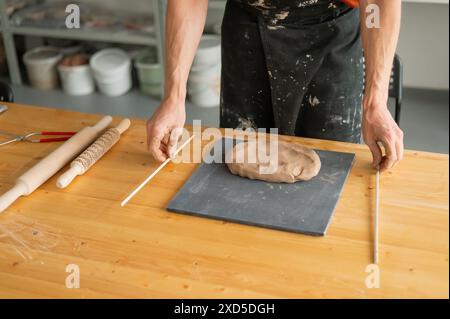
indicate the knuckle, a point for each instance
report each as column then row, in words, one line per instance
column 150, row 124
column 155, row 128
column 157, row 155
column 393, row 159
column 156, row 135
column 152, row 150
column 389, row 133
column 152, row 143
column 390, row 139
column 152, row 131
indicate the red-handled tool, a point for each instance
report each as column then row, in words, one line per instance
column 64, row 136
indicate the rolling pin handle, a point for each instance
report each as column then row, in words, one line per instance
column 65, row 179
column 20, row 189
column 103, row 123
column 123, row 125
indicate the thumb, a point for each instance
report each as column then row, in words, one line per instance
column 377, row 155
column 175, row 135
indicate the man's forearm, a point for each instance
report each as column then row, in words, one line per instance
column 379, row 49
column 184, row 26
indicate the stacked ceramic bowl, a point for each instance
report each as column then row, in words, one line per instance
column 110, row 68
column 149, row 72
column 41, row 66
column 75, row 74
column 204, row 78
column 112, row 71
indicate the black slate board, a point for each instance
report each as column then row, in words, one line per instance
column 303, row 207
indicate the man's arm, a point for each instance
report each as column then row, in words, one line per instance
column 185, row 21
column 379, row 49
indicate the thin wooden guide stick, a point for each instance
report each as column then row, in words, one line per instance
column 376, row 218
column 127, row 199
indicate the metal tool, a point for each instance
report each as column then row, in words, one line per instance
column 3, row 108
column 127, row 199
column 28, row 137
column 34, row 177
column 376, row 218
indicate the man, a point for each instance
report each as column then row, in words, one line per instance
column 292, row 64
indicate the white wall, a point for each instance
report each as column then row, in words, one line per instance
column 424, row 45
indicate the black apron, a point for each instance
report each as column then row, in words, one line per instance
column 296, row 65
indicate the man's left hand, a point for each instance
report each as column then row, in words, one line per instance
column 379, row 126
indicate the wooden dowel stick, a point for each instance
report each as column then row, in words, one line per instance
column 376, row 218
column 127, row 199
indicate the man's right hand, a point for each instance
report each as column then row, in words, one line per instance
column 164, row 129
column 185, row 21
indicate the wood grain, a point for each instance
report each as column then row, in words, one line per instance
column 143, row 251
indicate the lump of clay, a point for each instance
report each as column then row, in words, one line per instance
column 294, row 163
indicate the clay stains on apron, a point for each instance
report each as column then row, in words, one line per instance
column 284, row 65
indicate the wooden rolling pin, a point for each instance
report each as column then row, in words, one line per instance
column 93, row 153
column 52, row 163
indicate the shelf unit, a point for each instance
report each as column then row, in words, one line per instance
column 427, row 1
column 9, row 30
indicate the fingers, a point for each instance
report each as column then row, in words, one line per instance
column 377, row 155
column 379, row 126
column 400, row 147
column 165, row 139
column 399, row 151
column 164, row 149
column 162, row 144
column 394, row 149
column 155, row 144
column 391, row 157
column 175, row 135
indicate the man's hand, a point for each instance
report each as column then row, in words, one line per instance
column 164, row 129
column 379, row 45
column 185, row 21
column 379, row 126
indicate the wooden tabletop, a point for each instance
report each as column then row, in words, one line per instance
column 142, row 250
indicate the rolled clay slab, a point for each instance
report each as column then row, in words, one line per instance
column 295, row 163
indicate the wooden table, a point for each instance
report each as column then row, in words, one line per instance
column 142, row 250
